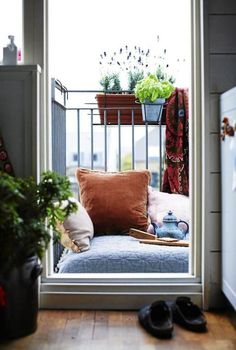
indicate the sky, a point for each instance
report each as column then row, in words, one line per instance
column 80, row 30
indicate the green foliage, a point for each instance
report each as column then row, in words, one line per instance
column 111, row 82
column 131, row 64
column 133, row 78
column 126, row 162
column 163, row 76
column 150, row 88
column 27, row 211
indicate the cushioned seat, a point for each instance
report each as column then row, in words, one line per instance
column 112, row 204
column 118, row 254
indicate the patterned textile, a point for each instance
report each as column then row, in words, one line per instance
column 5, row 164
column 176, row 174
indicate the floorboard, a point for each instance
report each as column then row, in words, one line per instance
column 119, row 330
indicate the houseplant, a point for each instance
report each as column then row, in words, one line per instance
column 129, row 64
column 121, row 68
column 27, row 211
column 152, row 93
column 121, row 71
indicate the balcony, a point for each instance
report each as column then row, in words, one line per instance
column 87, row 135
column 86, row 132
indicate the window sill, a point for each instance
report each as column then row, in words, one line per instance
column 122, row 291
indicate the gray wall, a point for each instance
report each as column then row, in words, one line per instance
column 19, row 116
column 219, row 76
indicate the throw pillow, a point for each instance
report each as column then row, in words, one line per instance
column 115, row 201
column 159, row 203
column 79, row 229
column 66, row 241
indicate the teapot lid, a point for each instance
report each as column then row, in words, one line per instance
column 170, row 217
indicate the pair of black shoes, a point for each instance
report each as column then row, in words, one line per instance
column 158, row 317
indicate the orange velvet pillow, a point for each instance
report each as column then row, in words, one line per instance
column 115, row 201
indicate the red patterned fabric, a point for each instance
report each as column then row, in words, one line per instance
column 3, row 300
column 5, row 164
column 176, row 174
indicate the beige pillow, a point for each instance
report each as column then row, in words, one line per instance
column 66, row 241
column 79, row 229
column 159, row 203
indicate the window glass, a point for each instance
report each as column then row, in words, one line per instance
column 11, row 24
column 84, row 47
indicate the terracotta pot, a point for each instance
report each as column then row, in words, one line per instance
column 123, row 102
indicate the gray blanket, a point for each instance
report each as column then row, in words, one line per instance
column 117, row 254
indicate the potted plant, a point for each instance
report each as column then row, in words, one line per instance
column 152, row 94
column 120, row 72
column 27, row 211
column 123, row 70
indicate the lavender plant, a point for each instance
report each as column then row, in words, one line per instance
column 128, row 65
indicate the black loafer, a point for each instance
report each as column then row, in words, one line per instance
column 157, row 319
column 188, row 315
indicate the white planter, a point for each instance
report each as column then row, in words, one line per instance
column 151, row 111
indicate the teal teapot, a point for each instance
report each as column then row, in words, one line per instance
column 170, row 227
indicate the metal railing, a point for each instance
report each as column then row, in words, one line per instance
column 95, row 134
column 99, row 136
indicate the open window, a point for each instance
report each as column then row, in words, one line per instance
column 59, row 286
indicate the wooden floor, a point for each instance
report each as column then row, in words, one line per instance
column 118, row 330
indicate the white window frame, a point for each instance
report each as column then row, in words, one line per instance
column 120, row 291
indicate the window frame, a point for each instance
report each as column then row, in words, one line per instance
column 120, row 290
